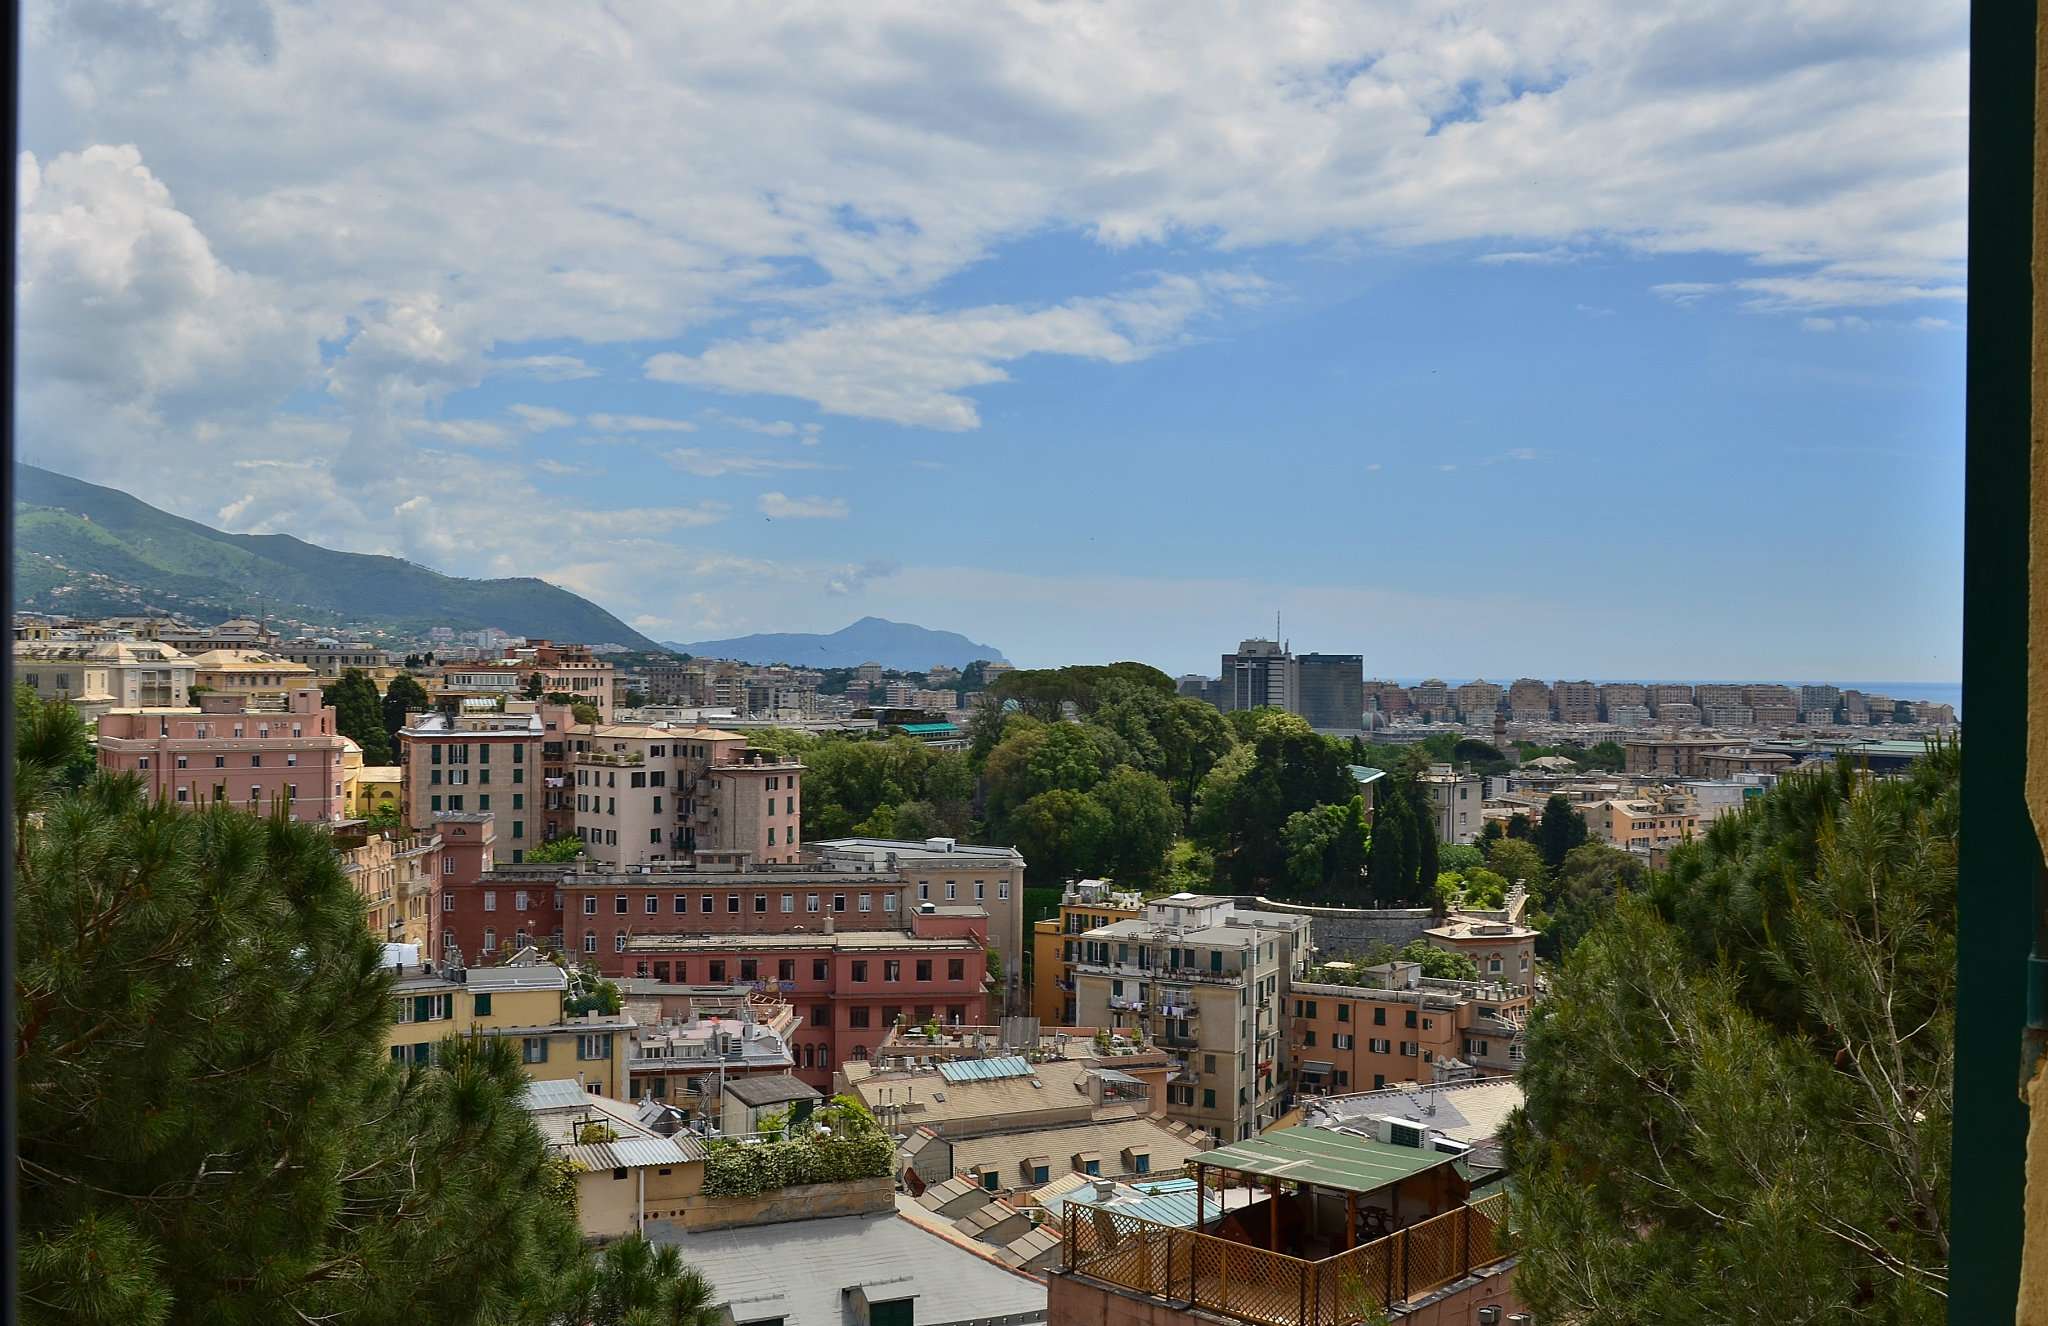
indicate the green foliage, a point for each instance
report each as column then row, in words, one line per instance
column 1740, row 1091
column 1242, row 809
column 585, row 712
column 403, row 695
column 1060, row 833
column 1604, row 755
column 1513, row 859
column 1142, row 824
column 589, row 992
column 1437, row 964
column 1044, row 692
column 359, row 714
column 1582, row 891
column 556, row 849
column 1484, row 889
column 264, row 1158
column 1460, row 856
column 635, row 1283
column 385, row 818
column 596, row 1132
column 851, row 785
column 1561, row 829
column 845, row 1144
column 1326, row 849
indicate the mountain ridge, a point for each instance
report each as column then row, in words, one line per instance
column 90, row 550
column 898, row 646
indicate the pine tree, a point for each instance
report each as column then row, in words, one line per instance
column 359, row 714
column 1426, row 867
column 1391, row 865
column 1560, row 830
column 209, row 1126
column 1739, row 1095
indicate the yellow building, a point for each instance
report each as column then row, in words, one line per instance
column 250, row 673
column 371, row 787
column 395, row 877
column 1056, row 944
column 524, row 1001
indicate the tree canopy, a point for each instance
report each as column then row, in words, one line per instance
column 359, row 714
column 1739, row 1096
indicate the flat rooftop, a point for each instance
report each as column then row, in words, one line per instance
column 801, row 1272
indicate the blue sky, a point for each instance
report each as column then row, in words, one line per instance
column 1477, row 342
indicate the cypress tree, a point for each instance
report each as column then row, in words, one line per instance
column 359, row 714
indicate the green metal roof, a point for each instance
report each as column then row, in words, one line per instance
column 1343, row 1162
column 1365, row 773
column 926, row 729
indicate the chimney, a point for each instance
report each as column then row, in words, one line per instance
column 1104, row 1189
column 828, row 925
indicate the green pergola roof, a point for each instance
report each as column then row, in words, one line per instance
column 1341, row 1162
column 927, row 729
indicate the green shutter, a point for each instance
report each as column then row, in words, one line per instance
column 422, row 1007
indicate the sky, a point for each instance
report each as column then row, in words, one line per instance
column 1583, row 339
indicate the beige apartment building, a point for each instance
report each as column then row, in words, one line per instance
column 251, row 674
column 1577, row 701
column 1677, row 757
column 652, row 792
column 946, row 872
column 486, row 762
column 1477, row 700
column 98, row 675
column 397, row 879
column 1208, row 982
column 1529, row 700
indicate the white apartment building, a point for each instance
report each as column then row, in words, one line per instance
column 1208, row 981
column 1457, row 799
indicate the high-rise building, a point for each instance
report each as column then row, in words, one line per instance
column 1577, row 701
column 1431, row 698
column 1623, row 693
column 1332, row 691
column 1261, row 673
column 1476, row 701
column 476, row 762
column 1529, row 699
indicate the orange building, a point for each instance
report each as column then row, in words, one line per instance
column 1398, row 1027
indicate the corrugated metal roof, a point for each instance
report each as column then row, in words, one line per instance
column 628, row 1153
column 563, row 1095
column 1319, row 1156
column 986, row 1070
column 922, row 729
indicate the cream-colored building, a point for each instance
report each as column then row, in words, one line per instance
column 1208, row 980
column 251, row 674
column 98, row 675
column 626, row 1173
column 654, row 792
column 523, row 1001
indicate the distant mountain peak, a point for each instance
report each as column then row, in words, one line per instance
column 899, row 646
column 84, row 549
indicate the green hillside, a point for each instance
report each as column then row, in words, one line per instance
column 87, row 550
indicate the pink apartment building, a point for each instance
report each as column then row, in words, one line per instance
column 226, row 751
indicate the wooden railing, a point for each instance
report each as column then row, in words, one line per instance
column 1266, row 1288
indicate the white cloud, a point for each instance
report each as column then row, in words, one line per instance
column 542, row 418
column 1684, row 293
column 1533, row 257
column 1933, row 324
column 549, row 465
column 913, row 368
column 546, row 368
column 465, row 432
column 713, row 464
column 638, row 423
column 767, row 427
column 778, row 506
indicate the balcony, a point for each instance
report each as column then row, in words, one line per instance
column 1187, row 1269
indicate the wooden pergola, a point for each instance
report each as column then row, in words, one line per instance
column 1320, row 1158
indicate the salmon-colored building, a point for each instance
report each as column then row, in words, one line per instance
column 227, row 750
column 850, row 987
column 488, row 763
column 1399, row 1027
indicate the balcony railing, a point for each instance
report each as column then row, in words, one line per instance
column 1251, row 1284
